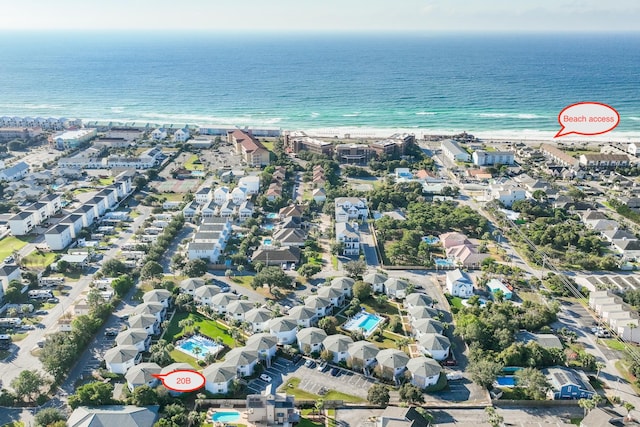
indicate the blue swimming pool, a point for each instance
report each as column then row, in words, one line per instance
column 203, row 345
column 268, row 227
column 267, row 242
column 441, row 262
column 366, row 321
column 226, row 417
column 506, row 381
column 272, row 215
column 430, row 240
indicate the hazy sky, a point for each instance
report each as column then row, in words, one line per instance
column 324, row 15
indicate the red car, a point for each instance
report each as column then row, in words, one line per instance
column 450, row 362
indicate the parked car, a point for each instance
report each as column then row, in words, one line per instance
column 53, row 300
column 603, row 333
column 111, row 333
column 321, row 366
column 41, row 313
column 454, row 376
column 335, row 372
column 450, row 362
column 297, row 358
column 265, row 377
column 310, row 363
column 8, row 260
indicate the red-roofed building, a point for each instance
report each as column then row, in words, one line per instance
column 251, row 150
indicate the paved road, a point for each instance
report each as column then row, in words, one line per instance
column 22, row 358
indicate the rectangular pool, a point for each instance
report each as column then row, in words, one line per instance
column 366, row 321
column 226, row 417
column 506, row 381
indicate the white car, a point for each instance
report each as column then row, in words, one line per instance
column 265, row 377
column 454, row 376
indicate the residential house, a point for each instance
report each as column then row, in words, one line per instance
column 272, row 409
column 245, row 210
column 495, row 286
column 218, row 377
column 237, row 309
column 177, row 366
column 273, row 192
column 181, row 135
column 250, row 183
column 58, row 237
column 148, row 322
column 396, row 288
column 190, row 285
column 350, row 208
column 322, row 306
column 291, row 211
column 238, row 195
column 546, row 341
column 459, row 284
column 310, row 340
column 335, row 295
column 8, row 272
column 304, row 316
column 22, row 223
column 121, row 358
column 114, row 415
column 284, row 329
column 376, row 280
column 434, row 345
column 154, row 308
column 243, row 359
column 142, row 374
column 424, row 371
column 319, row 195
column 271, row 255
column 416, row 313
column 258, row 318
column 394, row 416
column 15, row 172
column 568, row 383
column 161, row 296
column 361, row 356
column 139, row 338
column 418, row 300
column 338, row 345
column 265, row 344
column 422, row 327
column 190, row 211
column 391, row 363
column 220, row 302
column 349, row 235
column 204, row 195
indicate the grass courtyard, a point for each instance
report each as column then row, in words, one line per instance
column 13, row 243
column 193, row 164
column 38, row 259
column 209, row 328
column 292, row 387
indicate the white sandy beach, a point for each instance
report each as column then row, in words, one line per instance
column 526, row 136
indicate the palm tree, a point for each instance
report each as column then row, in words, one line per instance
column 495, row 419
column 319, row 405
column 629, row 407
column 599, row 366
column 587, row 405
column 197, row 350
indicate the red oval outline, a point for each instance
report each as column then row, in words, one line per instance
column 563, row 127
column 161, row 376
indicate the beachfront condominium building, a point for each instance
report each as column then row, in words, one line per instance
column 358, row 154
column 298, row 141
column 73, row 138
column 454, row 152
column 607, row 161
column 491, row 158
column 395, row 145
column 251, row 150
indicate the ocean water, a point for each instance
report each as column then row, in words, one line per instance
column 477, row 83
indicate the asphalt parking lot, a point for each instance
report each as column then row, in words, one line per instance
column 312, row 380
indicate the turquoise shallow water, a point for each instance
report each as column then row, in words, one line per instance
column 471, row 82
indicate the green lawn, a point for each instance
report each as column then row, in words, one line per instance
column 105, row 181
column 13, row 243
column 336, row 395
column 454, row 301
column 614, row 344
column 172, row 197
column 304, row 422
column 21, row 424
column 387, row 308
column 39, row 259
column 191, row 165
column 268, row 145
column 181, row 357
column 208, row 327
